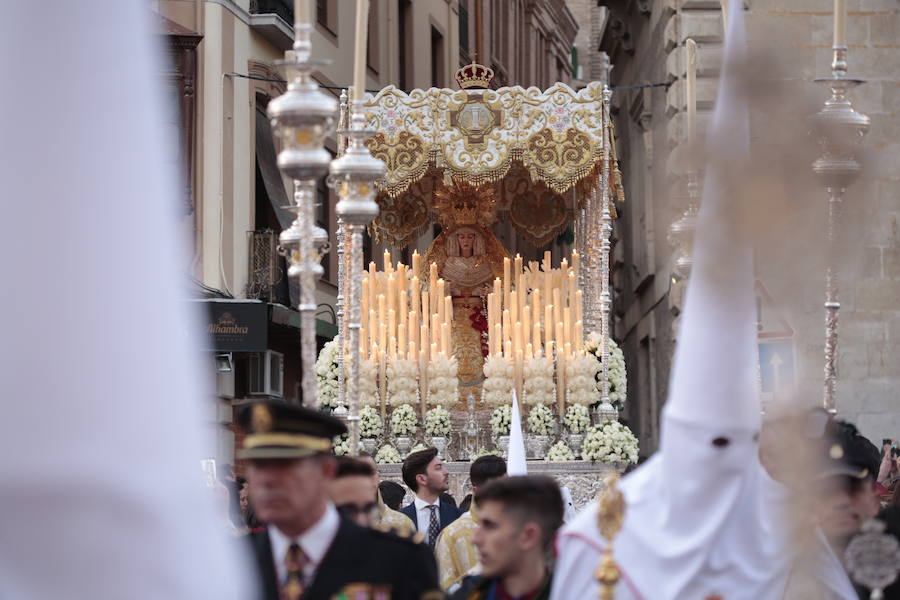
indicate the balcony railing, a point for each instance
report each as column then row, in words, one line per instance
column 282, row 8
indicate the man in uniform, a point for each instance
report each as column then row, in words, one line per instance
column 307, row 550
column 454, row 550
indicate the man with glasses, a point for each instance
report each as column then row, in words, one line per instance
column 308, row 550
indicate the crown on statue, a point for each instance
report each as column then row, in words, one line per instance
column 474, row 76
column 458, row 203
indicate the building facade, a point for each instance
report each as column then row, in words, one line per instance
column 222, row 56
column 645, row 42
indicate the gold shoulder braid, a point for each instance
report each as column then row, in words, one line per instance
column 610, row 514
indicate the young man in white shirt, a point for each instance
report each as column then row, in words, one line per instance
column 424, row 474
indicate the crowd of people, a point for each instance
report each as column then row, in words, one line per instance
column 321, row 525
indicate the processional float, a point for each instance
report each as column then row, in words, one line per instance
column 467, row 321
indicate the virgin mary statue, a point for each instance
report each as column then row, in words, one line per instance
column 468, row 257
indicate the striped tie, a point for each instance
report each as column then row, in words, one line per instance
column 294, row 561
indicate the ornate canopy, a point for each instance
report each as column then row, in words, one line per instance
column 541, row 151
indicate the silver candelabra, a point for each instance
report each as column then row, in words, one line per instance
column 301, row 118
column 354, row 175
column 838, row 130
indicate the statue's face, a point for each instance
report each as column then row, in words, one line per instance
column 466, row 240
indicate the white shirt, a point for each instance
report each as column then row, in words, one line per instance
column 314, row 542
column 423, row 515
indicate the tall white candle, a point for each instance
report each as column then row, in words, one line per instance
column 690, row 89
column 359, row 60
column 840, row 22
column 301, row 12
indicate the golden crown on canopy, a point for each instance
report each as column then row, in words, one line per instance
column 460, row 204
column 474, row 76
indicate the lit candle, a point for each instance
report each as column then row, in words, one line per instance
column 548, row 323
column 498, row 339
column 514, row 306
column 508, row 353
column 548, row 350
column 567, row 325
column 416, row 294
column 560, row 336
column 526, row 325
column 536, row 305
column 579, row 336
column 690, row 89
column 391, row 292
column 359, row 62
column 417, row 264
column 435, row 328
column 413, row 328
column 382, row 335
column 445, row 339
column 387, row 261
column 507, row 281
column 579, row 297
column 392, row 324
column 576, row 262
column 401, row 340
column 432, row 286
column 434, row 351
column 439, row 299
column 448, row 309
column 536, row 335
column 382, row 308
column 373, row 326
column 403, row 307
column 507, row 328
column 518, row 371
column 572, row 288
column 392, row 343
column 412, row 351
column 840, row 22
column 557, row 311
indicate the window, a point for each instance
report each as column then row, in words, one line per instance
column 373, row 40
column 326, row 15
column 437, row 58
column 404, row 24
column 464, row 53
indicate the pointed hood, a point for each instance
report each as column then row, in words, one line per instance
column 515, row 462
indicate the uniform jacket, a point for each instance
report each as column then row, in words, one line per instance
column 447, row 513
column 357, row 555
column 479, row 588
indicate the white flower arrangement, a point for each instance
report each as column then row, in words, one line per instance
column 498, row 382
column 327, row 375
column 340, row 445
column 501, row 419
column 540, row 420
column 437, row 422
column 538, row 375
column 581, row 379
column 401, row 382
column 403, row 421
column 387, row 454
column 483, row 452
column 443, row 384
column 418, row 447
column 368, row 383
column 370, row 424
column 577, row 418
column 610, row 442
column 618, row 376
column 559, row 452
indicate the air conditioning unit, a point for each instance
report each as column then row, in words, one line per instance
column 267, row 374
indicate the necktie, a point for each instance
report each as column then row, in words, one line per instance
column 294, row 561
column 434, row 526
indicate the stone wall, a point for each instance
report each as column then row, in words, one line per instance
column 645, row 42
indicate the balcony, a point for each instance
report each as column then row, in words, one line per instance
column 273, row 19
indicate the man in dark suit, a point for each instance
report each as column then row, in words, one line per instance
column 424, row 474
column 308, row 551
